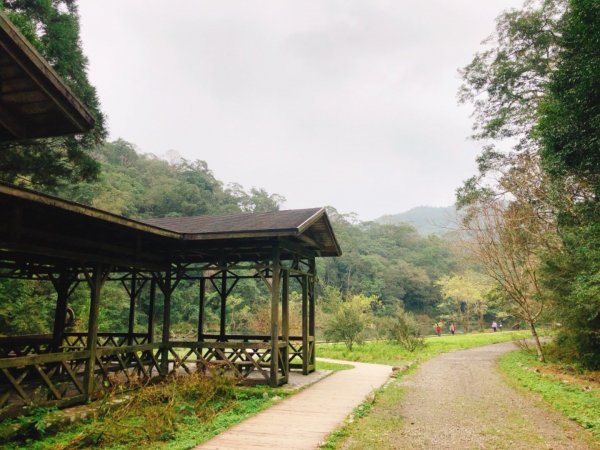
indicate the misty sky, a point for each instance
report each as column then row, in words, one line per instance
column 343, row 103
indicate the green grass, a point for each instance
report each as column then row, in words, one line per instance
column 383, row 352
column 325, row 365
column 175, row 416
column 578, row 401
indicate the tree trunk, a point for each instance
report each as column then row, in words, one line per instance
column 538, row 344
column 480, row 310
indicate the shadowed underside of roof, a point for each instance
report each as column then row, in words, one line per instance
column 43, row 229
column 34, row 102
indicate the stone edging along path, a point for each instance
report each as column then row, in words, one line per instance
column 304, row 420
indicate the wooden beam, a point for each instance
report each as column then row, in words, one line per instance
column 166, row 290
column 133, row 293
column 311, row 305
column 305, row 353
column 285, row 321
column 223, row 292
column 201, row 305
column 95, row 281
column 151, row 310
column 275, row 295
column 62, row 285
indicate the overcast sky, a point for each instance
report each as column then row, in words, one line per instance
column 330, row 102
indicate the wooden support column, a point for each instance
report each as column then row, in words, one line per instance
column 133, row 293
column 95, row 281
column 63, row 290
column 285, row 322
column 305, row 345
column 223, row 317
column 311, row 311
column 275, row 294
column 151, row 310
column 166, row 290
column 201, row 300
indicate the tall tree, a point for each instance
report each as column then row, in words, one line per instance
column 508, row 242
column 505, row 83
column 569, row 134
column 52, row 26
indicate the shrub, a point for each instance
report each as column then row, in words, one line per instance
column 403, row 329
column 348, row 320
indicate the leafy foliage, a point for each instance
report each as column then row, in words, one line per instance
column 403, row 329
column 348, row 318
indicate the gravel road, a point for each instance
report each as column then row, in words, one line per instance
column 460, row 400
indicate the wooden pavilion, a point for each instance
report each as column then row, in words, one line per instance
column 68, row 245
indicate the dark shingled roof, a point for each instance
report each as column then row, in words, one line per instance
column 289, row 220
column 310, row 225
column 45, row 228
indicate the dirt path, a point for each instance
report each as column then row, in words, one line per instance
column 459, row 400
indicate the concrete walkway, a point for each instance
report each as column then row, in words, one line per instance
column 304, row 420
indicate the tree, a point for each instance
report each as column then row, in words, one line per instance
column 505, row 84
column 52, row 26
column 465, row 295
column 569, row 136
column 507, row 240
column 403, row 328
column 347, row 319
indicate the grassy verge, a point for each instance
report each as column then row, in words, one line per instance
column 383, row 352
column 325, row 365
column 575, row 395
column 178, row 414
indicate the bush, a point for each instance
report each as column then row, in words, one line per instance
column 348, row 320
column 152, row 414
column 403, row 329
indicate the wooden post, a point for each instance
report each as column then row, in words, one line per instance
column 311, row 310
column 202, row 299
column 305, row 345
column 285, row 322
column 96, row 280
column 132, row 296
column 151, row 310
column 223, row 318
column 275, row 294
column 62, row 286
column 166, row 288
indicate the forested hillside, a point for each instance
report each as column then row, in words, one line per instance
column 393, row 264
column 426, row 219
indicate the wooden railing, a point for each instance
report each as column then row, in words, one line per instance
column 29, row 377
column 108, row 339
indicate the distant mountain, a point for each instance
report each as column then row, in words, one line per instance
column 426, row 219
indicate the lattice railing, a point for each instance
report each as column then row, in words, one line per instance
column 297, row 351
column 249, row 361
column 51, row 379
column 25, row 345
column 126, row 364
column 79, row 340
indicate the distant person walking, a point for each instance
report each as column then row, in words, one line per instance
column 494, row 326
column 452, row 328
column 438, row 329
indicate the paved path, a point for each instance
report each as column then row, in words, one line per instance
column 459, row 400
column 304, row 420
